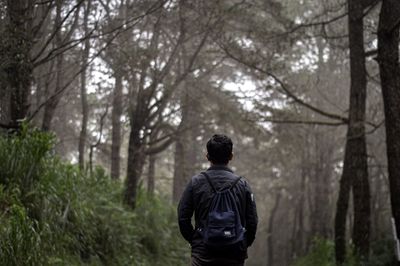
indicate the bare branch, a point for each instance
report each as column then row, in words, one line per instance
column 37, row 28
column 286, row 89
column 304, row 122
column 108, row 43
column 56, row 30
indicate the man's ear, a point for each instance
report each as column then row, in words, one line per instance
column 208, row 157
column 231, row 157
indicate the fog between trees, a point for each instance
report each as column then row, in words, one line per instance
column 308, row 91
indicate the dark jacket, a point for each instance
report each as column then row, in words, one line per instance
column 197, row 198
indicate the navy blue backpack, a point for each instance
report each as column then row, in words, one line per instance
column 223, row 225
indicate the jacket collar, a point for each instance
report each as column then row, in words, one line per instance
column 220, row 167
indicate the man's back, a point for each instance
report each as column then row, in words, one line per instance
column 197, row 198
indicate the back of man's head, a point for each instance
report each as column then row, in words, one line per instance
column 219, row 149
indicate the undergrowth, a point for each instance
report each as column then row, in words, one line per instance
column 322, row 253
column 53, row 214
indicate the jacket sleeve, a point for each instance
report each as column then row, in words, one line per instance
column 251, row 216
column 185, row 213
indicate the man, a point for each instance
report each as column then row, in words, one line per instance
column 197, row 198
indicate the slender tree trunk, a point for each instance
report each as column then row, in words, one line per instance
column 85, row 108
column 116, row 127
column 299, row 239
column 51, row 106
column 5, row 114
column 322, row 172
column 151, row 174
column 270, row 242
column 60, row 39
column 18, row 73
column 355, row 168
column 388, row 58
column 319, row 215
column 181, row 153
column 293, row 238
column 179, row 169
column 185, row 147
column 376, row 206
column 117, row 67
column 321, row 163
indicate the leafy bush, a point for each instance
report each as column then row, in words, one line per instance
column 53, row 214
column 323, row 254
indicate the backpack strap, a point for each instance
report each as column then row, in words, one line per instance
column 235, row 182
column 209, row 181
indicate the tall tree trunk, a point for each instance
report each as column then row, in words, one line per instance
column 185, row 146
column 151, row 174
column 319, row 215
column 152, row 165
column 5, row 113
column 60, row 40
column 18, row 71
column 299, row 241
column 85, row 108
column 138, row 114
column 360, row 184
column 179, row 168
column 355, row 168
column 136, row 146
column 270, row 230
column 322, row 171
column 321, row 163
column 51, row 106
column 117, row 67
column 388, row 58
column 116, row 126
column 135, row 166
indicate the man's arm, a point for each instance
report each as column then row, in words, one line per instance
column 251, row 216
column 185, row 212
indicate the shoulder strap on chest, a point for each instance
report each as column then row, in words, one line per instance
column 209, row 181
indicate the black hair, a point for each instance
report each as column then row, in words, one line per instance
column 219, row 149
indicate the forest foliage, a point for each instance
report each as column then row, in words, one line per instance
column 51, row 213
